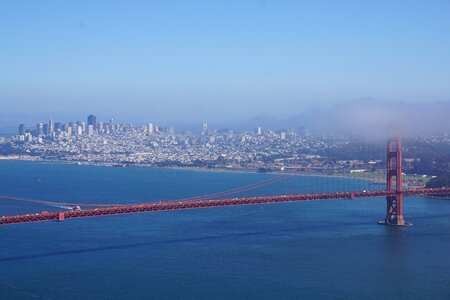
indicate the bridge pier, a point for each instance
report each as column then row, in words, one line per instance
column 394, row 207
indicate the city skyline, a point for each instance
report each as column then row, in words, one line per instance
column 94, row 142
column 364, row 116
column 90, row 127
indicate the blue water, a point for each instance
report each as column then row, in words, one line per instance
column 310, row 250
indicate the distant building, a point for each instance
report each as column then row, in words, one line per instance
column 28, row 137
column 358, row 171
column 46, row 130
column 258, row 130
column 204, row 128
column 150, row 128
column 90, row 129
column 39, row 129
column 107, row 128
column 92, row 120
column 21, row 129
column 58, row 126
column 51, row 128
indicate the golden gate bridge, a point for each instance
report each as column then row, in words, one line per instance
column 394, row 193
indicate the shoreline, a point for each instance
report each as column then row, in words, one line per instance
column 189, row 168
column 374, row 178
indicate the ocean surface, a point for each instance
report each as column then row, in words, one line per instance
column 310, row 250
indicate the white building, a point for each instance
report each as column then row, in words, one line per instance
column 150, row 128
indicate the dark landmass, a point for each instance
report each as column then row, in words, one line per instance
column 439, row 181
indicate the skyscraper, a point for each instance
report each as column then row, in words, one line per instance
column 51, row 128
column 58, row 126
column 39, row 129
column 92, row 120
column 46, row 130
column 21, row 129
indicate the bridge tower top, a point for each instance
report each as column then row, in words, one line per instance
column 394, row 215
column 394, row 152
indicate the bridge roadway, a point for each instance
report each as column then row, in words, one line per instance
column 195, row 204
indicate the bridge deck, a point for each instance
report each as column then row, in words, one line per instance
column 195, row 204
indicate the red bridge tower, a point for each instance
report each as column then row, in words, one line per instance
column 394, row 215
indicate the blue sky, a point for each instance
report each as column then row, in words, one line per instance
column 182, row 61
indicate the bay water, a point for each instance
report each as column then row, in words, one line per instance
column 309, row 250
